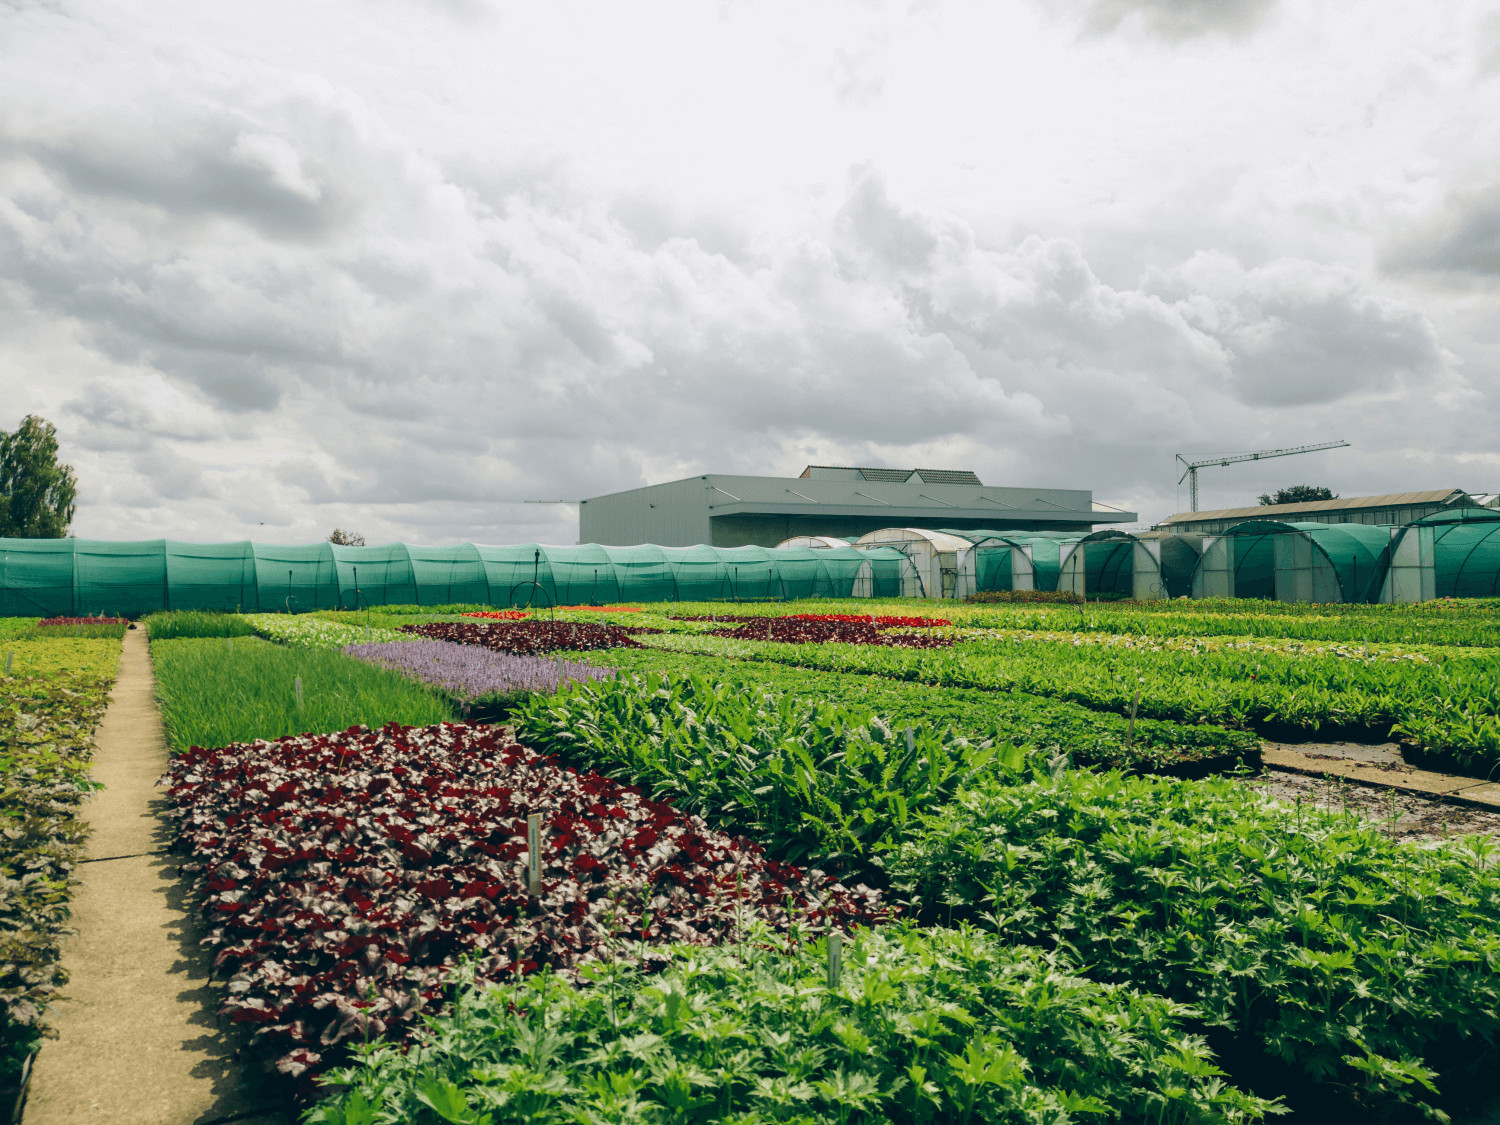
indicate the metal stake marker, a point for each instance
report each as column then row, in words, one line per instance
column 534, row 855
column 229, row 644
column 9, row 656
column 911, row 741
column 1130, row 730
column 297, row 689
column 559, row 671
column 835, row 956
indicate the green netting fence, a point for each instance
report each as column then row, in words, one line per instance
column 73, row 577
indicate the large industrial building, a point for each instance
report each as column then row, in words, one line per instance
column 1395, row 508
column 829, row 500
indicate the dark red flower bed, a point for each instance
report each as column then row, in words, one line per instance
column 800, row 631
column 527, row 638
column 880, row 622
column 604, row 608
column 499, row 614
column 82, row 621
column 345, row 874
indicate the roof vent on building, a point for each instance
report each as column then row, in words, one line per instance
column 892, row 476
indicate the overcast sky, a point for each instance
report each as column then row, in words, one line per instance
column 399, row 266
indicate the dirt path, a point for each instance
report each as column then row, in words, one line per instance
column 139, row 1040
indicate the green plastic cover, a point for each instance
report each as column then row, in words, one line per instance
column 72, row 577
column 1466, row 552
column 1358, row 552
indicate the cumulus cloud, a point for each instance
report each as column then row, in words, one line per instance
column 1460, row 235
column 289, row 312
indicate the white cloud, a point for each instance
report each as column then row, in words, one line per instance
column 309, row 285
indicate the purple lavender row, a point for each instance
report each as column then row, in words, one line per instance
column 469, row 671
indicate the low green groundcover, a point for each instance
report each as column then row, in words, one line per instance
column 945, row 1026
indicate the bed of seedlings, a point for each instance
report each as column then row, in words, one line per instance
column 52, row 696
column 345, row 875
column 702, row 942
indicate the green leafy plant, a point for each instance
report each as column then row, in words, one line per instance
column 806, row 780
column 46, row 743
column 1369, row 966
column 944, row 1026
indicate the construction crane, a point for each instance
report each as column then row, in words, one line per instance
column 1190, row 473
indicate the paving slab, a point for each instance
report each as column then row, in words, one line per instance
column 1385, row 773
column 139, row 1041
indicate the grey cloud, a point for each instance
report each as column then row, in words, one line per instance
column 1298, row 333
column 1460, row 236
column 1172, row 19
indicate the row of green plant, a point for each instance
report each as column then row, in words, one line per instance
column 1308, row 943
column 1087, row 736
column 1449, row 708
column 48, row 713
column 171, row 625
column 810, row 781
column 946, row 1026
column 217, row 691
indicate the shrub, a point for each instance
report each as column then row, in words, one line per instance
column 346, row 874
column 942, row 1026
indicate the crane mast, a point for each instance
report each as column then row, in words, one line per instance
column 1190, row 472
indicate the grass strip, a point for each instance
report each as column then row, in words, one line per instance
column 214, row 692
column 171, row 625
column 48, row 713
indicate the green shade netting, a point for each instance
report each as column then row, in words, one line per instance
column 1046, row 550
column 1179, row 562
column 992, row 567
column 1359, row 554
column 1108, row 563
column 1466, row 552
column 68, row 577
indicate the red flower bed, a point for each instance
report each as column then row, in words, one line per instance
column 82, row 621
column 880, row 622
column 527, row 638
column 345, row 874
column 801, row 631
column 499, row 615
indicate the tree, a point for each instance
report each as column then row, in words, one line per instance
column 346, row 538
column 1299, row 494
column 36, row 491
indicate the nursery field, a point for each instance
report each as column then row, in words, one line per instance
column 756, row 862
column 53, row 692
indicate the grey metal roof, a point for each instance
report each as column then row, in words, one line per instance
column 901, row 476
column 1351, row 503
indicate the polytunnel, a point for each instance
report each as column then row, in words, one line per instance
column 1295, row 562
column 1111, row 562
column 942, row 563
column 1174, row 558
column 72, row 577
column 1451, row 554
column 817, row 541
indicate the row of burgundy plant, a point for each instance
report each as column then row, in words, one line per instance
column 881, row 622
column 346, row 874
column 527, row 638
column 797, row 631
column 499, row 615
column 82, row 621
